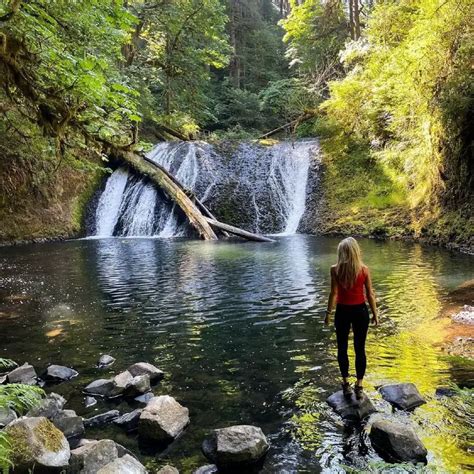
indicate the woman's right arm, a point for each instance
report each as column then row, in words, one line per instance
column 371, row 298
column 332, row 296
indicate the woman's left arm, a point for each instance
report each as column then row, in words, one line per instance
column 332, row 296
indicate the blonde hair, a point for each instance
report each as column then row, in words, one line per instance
column 349, row 262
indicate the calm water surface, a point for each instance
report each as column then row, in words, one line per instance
column 237, row 327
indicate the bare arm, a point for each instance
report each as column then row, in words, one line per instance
column 371, row 298
column 332, row 297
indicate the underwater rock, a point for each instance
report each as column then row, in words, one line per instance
column 142, row 368
column 350, row 408
column 37, row 444
column 92, row 456
column 124, row 465
column 105, row 360
column 163, row 419
column 396, row 442
column 69, row 423
column 7, row 415
column 24, row 374
column 404, row 396
column 236, row 445
column 129, row 421
column 59, row 373
column 101, row 419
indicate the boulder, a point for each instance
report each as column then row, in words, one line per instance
column 49, row 407
column 7, row 415
column 36, row 444
column 129, row 421
column 105, row 360
column 124, row 465
column 404, row 396
column 71, row 425
column 101, row 419
column 59, row 373
column 396, row 442
column 350, row 408
column 122, row 381
column 102, row 388
column 138, row 386
column 142, row 368
column 168, row 470
column 24, row 374
column 92, row 456
column 207, row 469
column 236, row 445
column 163, row 419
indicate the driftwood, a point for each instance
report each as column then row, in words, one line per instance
column 237, row 231
column 172, row 132
column 294, row 123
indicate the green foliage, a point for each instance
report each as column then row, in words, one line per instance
column 19, row 397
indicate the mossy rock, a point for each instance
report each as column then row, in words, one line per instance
column 36, row 441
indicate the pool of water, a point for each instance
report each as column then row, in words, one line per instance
column 238, row 329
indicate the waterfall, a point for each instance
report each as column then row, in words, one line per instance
column 262, row 189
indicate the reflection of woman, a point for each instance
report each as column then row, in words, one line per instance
column 349, row 278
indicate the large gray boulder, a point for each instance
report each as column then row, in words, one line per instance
column 49, row 407
column 235, row 446
column 350, row 408
column 102, row 388
column 396, row 442
column 101, row 419
column 129, row 421
column 69, row 423
column 124, row 465
column 144, row 368
column 24, row 374
column 404, row 396
column 7, row 415
column 139, row 385
column 36, row 444
column 92, row 456
column 163, row 419
column 59, row 373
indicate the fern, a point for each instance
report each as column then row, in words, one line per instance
column 5, row 463
column 7, row 364
column 19, row 397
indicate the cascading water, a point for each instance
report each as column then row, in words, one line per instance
column 261, row 189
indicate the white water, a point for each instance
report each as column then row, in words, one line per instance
column 265, row 187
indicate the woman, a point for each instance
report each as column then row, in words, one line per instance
column 349, row 278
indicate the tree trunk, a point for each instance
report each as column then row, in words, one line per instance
column 239, row 232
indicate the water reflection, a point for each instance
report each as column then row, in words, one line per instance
column 238, row 329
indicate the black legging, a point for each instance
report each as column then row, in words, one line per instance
column 356, row 315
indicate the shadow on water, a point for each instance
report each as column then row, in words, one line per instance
column 238, row 330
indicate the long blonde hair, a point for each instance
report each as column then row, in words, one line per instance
column 349, row 262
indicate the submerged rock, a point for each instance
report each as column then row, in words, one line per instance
column 101, row 419
column 396, row 442
column 143, row 368
column 105, row 360
column 92, row 456
column 59, row 373
column 236, row 445
column 350, row 408
column 124, row 465
column 129, row 421
column 163, row 419
column 7, row 415
column 24, row 374
column 36, row 443
column 404, row 396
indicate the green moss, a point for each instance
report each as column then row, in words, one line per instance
column 49, row 435
column 22, row 451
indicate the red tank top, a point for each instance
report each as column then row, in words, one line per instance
column 355, row 294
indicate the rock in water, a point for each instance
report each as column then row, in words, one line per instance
column 89, row 402
column 24, row 374
column 102, row 419
column 105, row 361
column 124, row 465
column 102, row 388
column 138, row 386
column 129, row 421
column 7, row 415
column 49, row 407
column 71, row 425
column 349, row 408
column 36, row 443
column 404, row 396
column 142, row 368
column 236, row 445
column 163, row 419
column 207, row 469
column 59, row 373
column 396, row 442
column 92, row 456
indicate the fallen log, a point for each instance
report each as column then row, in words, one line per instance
column 293, row 123
column 172, row 132
column 236, row 231
column 163, row 180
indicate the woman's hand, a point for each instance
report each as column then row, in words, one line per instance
column 375, row 320
column 326, row 319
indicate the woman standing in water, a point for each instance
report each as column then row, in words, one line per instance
column 349, row 278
